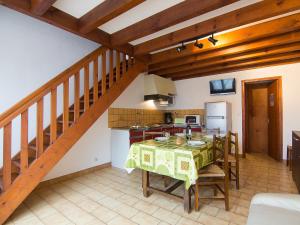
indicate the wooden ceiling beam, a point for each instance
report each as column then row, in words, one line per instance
column 166, row 18
column 242, row 68
column 247, row 62
column 246, row 15
column 268, row 51
column 39, row 7
column 251, row 33
column 105, row 12
column 230, row 50
column 67, row 22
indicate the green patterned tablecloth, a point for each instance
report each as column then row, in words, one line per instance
column 166, row 158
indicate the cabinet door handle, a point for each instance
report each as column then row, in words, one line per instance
column 296, row 139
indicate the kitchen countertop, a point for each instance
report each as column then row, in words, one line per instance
column 146, row 127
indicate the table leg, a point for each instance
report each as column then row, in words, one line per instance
column 187, row 200
column 145, row 183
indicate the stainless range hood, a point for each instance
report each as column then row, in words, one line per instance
column 159, row 89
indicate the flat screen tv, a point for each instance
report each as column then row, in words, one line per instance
column 222, row 87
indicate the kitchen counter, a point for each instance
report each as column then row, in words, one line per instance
column 147, row 127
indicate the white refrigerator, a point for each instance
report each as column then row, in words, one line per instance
column 218, row 115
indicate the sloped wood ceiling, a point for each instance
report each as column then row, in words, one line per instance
column 255, row 34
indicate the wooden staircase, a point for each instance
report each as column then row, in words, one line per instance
column 25, row 170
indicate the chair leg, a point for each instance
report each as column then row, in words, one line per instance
column 237, row 182
column 196, row 197
column 237, row 174
column 226, row 193
column 229, row 172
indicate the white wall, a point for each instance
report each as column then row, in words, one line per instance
column 31, row 53
column 193, row 93
column 94, row 147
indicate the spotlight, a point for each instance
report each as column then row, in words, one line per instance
column 212, row 39
column 181, row 48
column 198, row 44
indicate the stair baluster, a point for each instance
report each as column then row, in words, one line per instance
column 48, row 141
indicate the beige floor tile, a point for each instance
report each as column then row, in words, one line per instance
column 118, row 220
column 166, row 203
column 185, row 221
column 111, row 196
column 109, row 202
column 28, row 221
column 145, row 219
column 211, row 220
column 166, row 216
column 128, row 199
column 104, row 214
column 145, row 207
column 57, row 219
column 210, row 210
column 125, row 210
column 88, row 205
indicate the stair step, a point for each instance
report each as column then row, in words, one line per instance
column 33, row 147
column 31, row 154
column 61, row 122
column 17, row 163
column 57, row 135
column 72, row 110
column 90, row 100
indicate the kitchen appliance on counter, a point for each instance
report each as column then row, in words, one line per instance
column 168, row 118
column 218, row 115
column 192, row 120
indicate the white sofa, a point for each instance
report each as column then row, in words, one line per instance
column 274, row 209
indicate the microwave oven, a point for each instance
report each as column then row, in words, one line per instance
column 192, row 119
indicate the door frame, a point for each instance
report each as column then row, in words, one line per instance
column 244, row 130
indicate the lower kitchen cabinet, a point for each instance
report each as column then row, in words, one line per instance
column 120, row 145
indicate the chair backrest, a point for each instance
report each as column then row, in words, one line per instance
column 233, row 144
column 152, row 134
column 221, row 149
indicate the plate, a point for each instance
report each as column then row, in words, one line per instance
column 161, row 139
column 196, row 143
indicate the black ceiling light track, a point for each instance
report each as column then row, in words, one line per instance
column 197, row 43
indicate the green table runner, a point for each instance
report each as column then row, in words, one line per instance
column 166, row 158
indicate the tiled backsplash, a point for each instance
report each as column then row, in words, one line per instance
column 123, row 117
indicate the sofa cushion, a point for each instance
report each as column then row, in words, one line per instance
column 270, row 215
column 285, row 201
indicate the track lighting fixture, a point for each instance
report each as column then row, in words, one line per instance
column 181, row 48
column 212, row 39
column 198, row 44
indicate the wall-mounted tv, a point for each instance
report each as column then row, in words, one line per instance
column 222, row 87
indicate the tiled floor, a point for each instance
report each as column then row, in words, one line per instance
column 112, row 197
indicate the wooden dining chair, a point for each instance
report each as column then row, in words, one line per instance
column 233, row 159
column 215, row 176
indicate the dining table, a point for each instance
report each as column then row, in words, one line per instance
column 179, row 160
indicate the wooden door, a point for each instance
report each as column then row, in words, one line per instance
column 274, row 120
column 258, row 118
